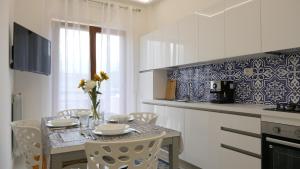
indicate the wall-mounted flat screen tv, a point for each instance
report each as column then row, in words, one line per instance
column 31, row 52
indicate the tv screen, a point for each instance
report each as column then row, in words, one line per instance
column 31, row 52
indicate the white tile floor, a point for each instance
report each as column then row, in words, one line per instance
column 19, row 164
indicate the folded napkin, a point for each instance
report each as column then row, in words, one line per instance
column 71, row 136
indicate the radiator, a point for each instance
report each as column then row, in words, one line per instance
column 17, row 114
column 17, row 107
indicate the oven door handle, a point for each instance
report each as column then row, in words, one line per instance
column 286, row 143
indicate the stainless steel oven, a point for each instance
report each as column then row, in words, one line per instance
column 280, row 146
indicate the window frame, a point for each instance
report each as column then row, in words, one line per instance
column 93, row 32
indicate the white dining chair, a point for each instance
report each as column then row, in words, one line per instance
column 132, row 154
column 28, row 137
column 71, row 112
column 149, row 118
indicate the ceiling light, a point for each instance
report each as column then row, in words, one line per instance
column 222, row 11
column 143, row 1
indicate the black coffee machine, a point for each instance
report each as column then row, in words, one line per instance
column 222, row 91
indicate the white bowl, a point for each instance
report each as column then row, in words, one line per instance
column 62, row 122
column 119, row 118
column 112, row 128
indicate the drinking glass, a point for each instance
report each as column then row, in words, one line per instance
column 84, row 120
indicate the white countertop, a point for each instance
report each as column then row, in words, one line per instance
column 255, row 109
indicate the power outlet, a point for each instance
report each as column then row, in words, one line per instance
column 248, row 72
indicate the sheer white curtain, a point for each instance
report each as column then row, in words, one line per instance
column 71, row 62
column 114, row 50
column 110, row 58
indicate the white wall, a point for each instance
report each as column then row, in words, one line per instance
column 93, row 15
column 36, row 89
column 5, row 88
column 165, row 12
column 36, row 15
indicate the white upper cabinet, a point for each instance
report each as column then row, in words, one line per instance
column 146, row 52
column 151, row 50
column 242, row 27
column 187, row 39
column 226, row 28
column 211, row 32
column 280, row 24
column 143, row 53
column 157, row 49
column 170, row 45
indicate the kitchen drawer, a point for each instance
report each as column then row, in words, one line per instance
column 235, row 160
column 243, row 123
column 244, row 142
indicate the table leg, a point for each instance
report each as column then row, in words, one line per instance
column 59, row 161
column 55, row 162
column 174, row 153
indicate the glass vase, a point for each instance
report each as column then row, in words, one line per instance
column 96, row 116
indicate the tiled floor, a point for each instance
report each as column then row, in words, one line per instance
column 19, row 164
column 163, row 165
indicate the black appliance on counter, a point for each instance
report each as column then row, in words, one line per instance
column 222, row 91
column 280, row 146
column 282, row 107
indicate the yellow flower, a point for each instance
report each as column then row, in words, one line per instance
column 104, row 75
column 96, row 77
column 81, row 83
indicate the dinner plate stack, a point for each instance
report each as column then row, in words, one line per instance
column 120, row 118
column 112, row 129
column 62, row 122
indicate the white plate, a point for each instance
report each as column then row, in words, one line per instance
column 113, row 134
column 49, row 124
column 115, row 121
column 111, row 128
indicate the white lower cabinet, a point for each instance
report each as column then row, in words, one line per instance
column 205, row 133
column 234, row 160
column 146, row 82
column 240, row 142
column 146, row 108
column 176, row 121
column 162, row 115
column 170, row 117
column 201, row 139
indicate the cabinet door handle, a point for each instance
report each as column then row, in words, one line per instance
column 286, row 143
column 245, row 133
column 238, row 150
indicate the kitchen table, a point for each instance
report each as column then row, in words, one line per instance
column 64, row 147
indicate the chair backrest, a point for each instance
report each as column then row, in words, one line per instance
column 28, row 138
column 71, row 112
column 135, row 154
column 149, row 118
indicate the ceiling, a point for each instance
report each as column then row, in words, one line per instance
column 143, row 1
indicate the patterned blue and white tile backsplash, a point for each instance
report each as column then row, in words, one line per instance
column 275, row 79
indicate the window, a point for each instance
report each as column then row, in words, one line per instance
column 84, row 51
column 74, row 64
column 109, row 52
